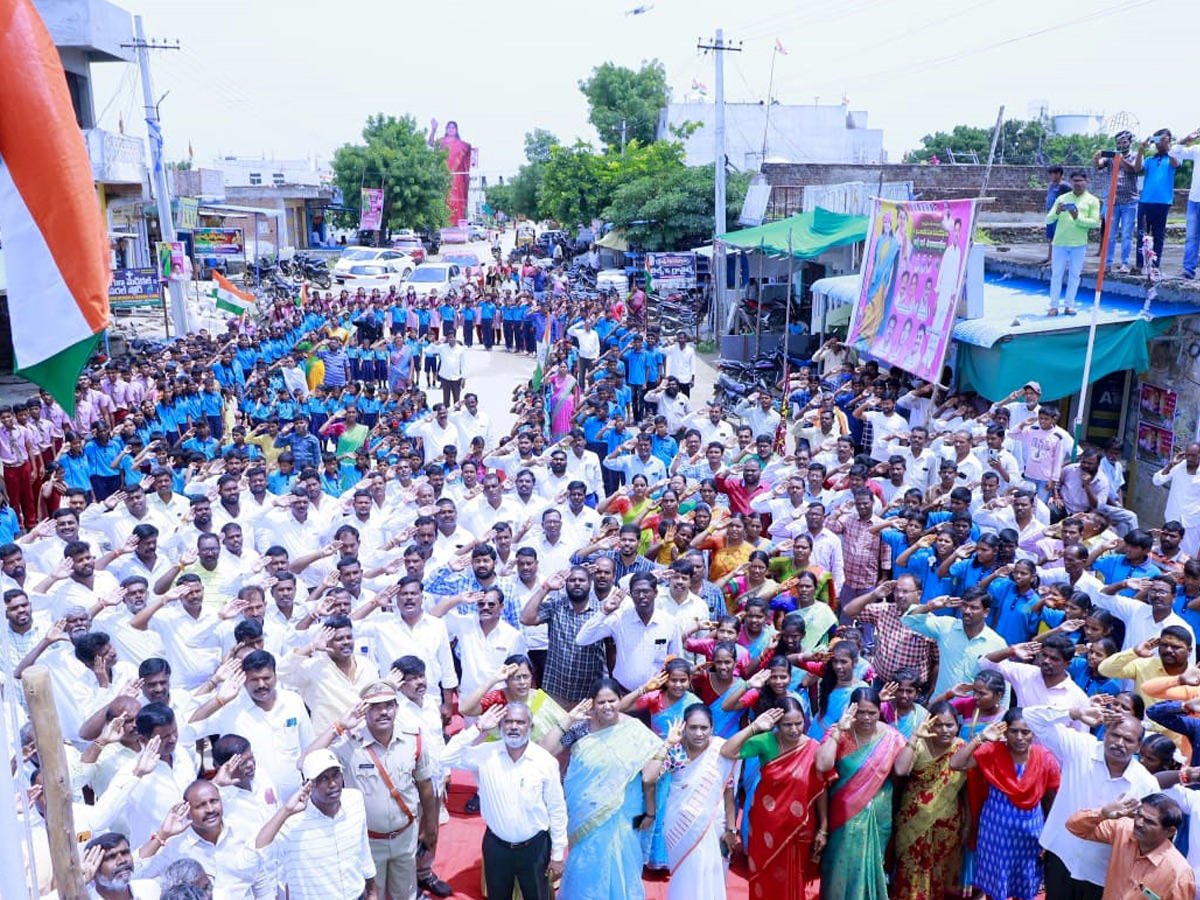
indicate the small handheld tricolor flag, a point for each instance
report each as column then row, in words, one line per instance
column 779, row 48
column 699, row 87
column 302, row 297
column 54, row 234
column 539, row 371
column 228, row 298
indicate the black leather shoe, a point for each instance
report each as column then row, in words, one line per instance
column 435, row 886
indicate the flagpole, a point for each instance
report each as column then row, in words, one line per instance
column 758, row 310
column 770, row 88
column 1091, row 342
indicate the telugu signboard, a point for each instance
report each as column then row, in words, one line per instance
column 671, row 271
column 219, row 242
column 912, row 277
column 134, row 287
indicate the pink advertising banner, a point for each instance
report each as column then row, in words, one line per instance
column 912, row 276
column 372, row 209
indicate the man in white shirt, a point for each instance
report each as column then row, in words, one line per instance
column 520, row 798
column 680, row 363
column 141, row 794
column 589, row 345
column 484, row 641
column 201, row 833
column 757, row 412
column 645, row 634
column 553, row 546
column 472, row 422
column 580, row 522
column 1093, row 773
column 583, row 464
column 251, row 703
column 452, row 366
column 885, row 422
column 437, row 432
column 711, row 425
column 478, row 515
column 673, row 404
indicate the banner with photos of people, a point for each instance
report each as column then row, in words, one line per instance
column 912, row 275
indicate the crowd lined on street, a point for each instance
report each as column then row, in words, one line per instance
column 877, row 639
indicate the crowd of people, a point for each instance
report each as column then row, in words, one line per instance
column 877, row 640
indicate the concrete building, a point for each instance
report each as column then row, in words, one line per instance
column 87, row 32
column 796, row 134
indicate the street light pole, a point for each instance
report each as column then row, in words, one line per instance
column 162, row 194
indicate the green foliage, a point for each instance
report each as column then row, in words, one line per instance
column 395, row 155
column 673, row 210
column 616, row 93
column 576, row 184
column 1022, row 142
column 538, row 144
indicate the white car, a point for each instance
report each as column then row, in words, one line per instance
column 440, row 277
column 370, row 262
column 377, row 274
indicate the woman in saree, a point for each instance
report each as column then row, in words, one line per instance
column 756, row 635
column 609, row 788
column 400, row 364
column 700, row 811
column 564, row 394
column 789, row 813
column 783, row 568
column 838, row 684
column 749, row 580
column 765, row 690
column 1012, row 782
column 716, row 683
column 929, row 822
column 863, row 754
column 516, row 676
column 727, row 543
column 631, row 502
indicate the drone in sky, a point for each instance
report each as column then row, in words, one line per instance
column 638, row 10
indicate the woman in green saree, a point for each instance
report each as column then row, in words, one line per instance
column 864, row 753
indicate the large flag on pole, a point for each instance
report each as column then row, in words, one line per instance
column 56, row 249
column 228, row 298
column 543, row 349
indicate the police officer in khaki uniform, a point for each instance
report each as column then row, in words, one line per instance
column 385, row 760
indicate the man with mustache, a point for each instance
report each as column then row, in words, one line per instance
column 521, row 799
column 108, row 864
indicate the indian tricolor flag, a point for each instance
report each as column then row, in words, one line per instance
column 55, row 246
column 228, row 298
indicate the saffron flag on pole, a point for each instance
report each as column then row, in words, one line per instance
column 302, row 297
column 228, row 298
column 54, row 236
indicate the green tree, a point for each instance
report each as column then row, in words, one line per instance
column 1022, row 142
column 538, row 144
column 395, row 155
column 618, row 95
column 576, row 184
column 674, row 210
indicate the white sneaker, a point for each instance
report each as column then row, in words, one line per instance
column 1124, row 270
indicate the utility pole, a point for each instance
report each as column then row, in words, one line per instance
column 719, row 47
column 162, row 193
column 623, row 121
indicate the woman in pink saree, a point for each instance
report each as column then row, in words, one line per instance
column 564, row 395
column 458, row 161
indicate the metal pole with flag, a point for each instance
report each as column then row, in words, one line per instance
column 54, row 233
column 1091, row 343
column 784, row 411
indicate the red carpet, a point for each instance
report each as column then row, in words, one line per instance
column 459, row 841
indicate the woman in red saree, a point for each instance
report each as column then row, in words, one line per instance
column 788, row 815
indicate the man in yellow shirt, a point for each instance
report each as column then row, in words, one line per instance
column 1073, row 216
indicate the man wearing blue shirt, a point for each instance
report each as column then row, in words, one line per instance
column 101, row 452
column 637, row 361
column 1158, row 192
column 337, row 364
column 641, row 461
column 305, row 447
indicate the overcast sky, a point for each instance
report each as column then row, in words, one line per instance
column 297, row 79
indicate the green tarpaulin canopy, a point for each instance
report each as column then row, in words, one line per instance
column 812, row 234
column 1055, row 358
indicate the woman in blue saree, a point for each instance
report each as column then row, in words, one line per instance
column 838, row 682
column 609, row 787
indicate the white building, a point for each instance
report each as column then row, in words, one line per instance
column 796, row 134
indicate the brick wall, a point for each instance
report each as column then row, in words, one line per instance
column 1016, row 188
